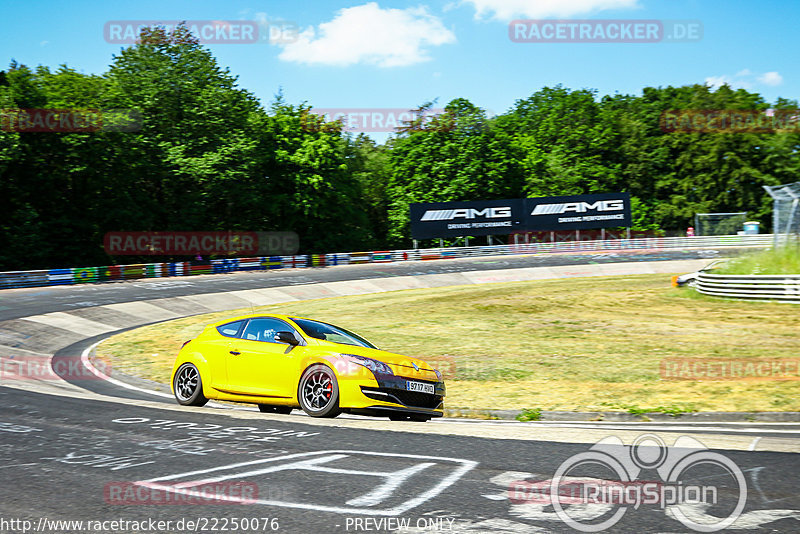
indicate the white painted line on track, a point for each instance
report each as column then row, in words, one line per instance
column 99, row 374
column 706, row 425
column 103, row 376
column 633, row 425
column 308, row 461
column 211, row 404
column 601, row 423
column 677, row 428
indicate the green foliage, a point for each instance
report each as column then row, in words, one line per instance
column 529, row 414
column 368, row 164
column 460, row 155
column 785, row 260
column 210, row 156
column 308, row 183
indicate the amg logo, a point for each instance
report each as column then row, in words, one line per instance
column 578, row 207
column 466, row 213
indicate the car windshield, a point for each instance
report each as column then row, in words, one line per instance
column 328, row 332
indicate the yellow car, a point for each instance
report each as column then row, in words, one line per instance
column 281, row 362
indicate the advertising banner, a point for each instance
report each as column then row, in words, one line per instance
column 578, row 212
column 502, row 217
column 455, row 219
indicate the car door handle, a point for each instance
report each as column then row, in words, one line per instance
column 235, row 352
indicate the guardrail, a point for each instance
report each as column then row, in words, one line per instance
column 780, row 287
column 82, row 275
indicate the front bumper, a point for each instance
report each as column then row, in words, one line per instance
column 389, row 394
column 393, row 391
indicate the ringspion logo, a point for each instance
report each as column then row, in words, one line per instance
column 591, row 491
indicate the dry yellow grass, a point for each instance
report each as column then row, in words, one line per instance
column 578, row 344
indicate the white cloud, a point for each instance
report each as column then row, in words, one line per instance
column 715, row 82
column 744, row 79
column 371, row 35
column 771, row 78
column 507, row 10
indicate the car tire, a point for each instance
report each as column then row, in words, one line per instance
column 268, row 408
column 188, row 386
column 318, row 392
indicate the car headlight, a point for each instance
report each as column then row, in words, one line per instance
column 438, row 374
column 373, row 365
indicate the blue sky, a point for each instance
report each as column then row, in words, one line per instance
column 394, row 54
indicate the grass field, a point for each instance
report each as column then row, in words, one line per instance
column 785, row 260
column 574, row 344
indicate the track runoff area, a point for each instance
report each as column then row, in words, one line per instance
column 76, row 459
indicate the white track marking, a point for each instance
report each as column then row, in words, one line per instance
column 662, row 427
column 103, row 376
column 393, row 481
column 306, row 461
column 666, row 427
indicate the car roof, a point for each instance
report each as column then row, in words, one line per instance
column 254, row 315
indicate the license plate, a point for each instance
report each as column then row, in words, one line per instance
column 420, row 387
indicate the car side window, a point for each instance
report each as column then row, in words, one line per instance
column 264, row 329
column 230, row 329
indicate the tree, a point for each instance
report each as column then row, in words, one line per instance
column 460, row 155
column 368, row 164
column 308, row 183
column 206, row 155
column 569, row 145
column 194, row 157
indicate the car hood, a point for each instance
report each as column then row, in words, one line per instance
column 390, row 358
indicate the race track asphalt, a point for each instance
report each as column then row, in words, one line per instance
column 111, row 455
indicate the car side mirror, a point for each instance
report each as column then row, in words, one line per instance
column 286, row 337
